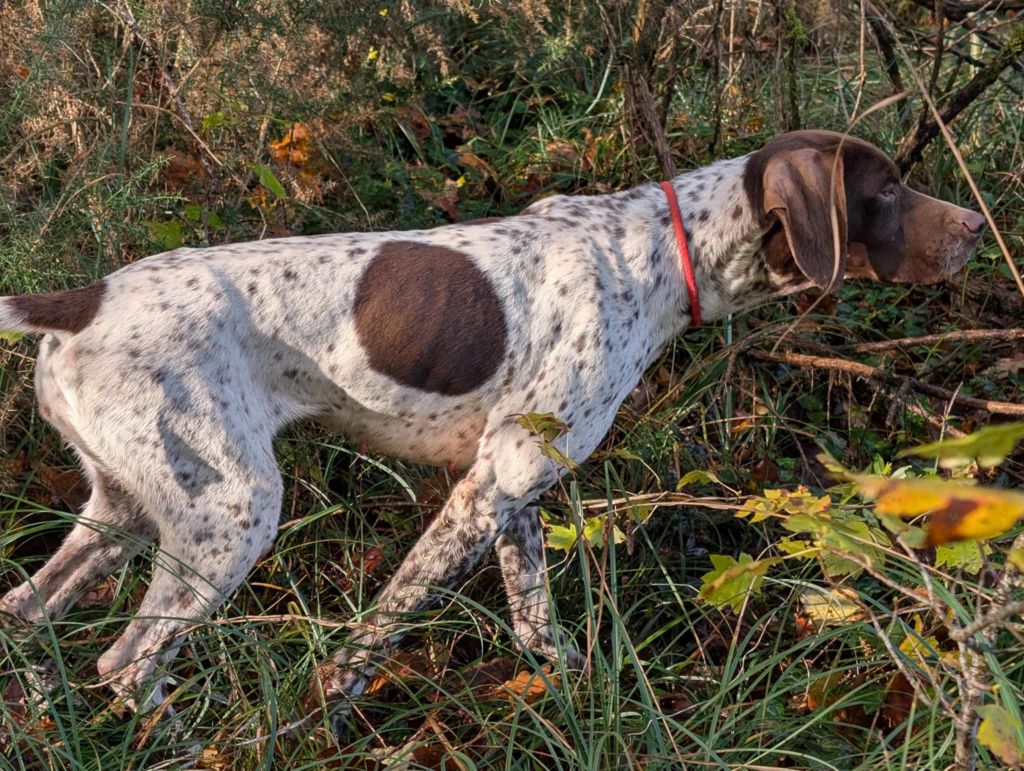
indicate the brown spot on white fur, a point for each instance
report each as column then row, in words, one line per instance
column 428, row 318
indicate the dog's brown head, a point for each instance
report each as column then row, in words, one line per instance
column 877, row 228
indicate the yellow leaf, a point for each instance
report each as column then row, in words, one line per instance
column 562, row 538
column 732, row 581
column 1015, row 557
column 958, row 511
column 917, row 644
column 831, row 607
column 1001, row 733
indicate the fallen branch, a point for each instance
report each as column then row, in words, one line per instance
column 959, row 336
column 879, row 374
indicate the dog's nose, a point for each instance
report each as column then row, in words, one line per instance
column 972, row 222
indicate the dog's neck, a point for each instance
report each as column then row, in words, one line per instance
column 727, row 240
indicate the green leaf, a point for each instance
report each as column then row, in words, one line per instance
column 212, row 120
column 170, row 234
column 732, row 581
column 990, row 446
column 966, row 555
column 593, row 531
column 1000, row 732
column 913, row 536
column 704, row 477
column 214, row 221
column 543, row 424
column 562, row 538
column 546, row 427
column 194, row 213
column 268, row 180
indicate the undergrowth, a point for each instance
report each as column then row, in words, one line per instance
column 216, row 123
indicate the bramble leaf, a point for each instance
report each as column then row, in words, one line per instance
column 562, row 537
column 989, row 447
column 966, row 555
column 732, row 581
column 958, row 511
column 169, row 234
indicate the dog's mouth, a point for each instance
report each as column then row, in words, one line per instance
column 922, row 269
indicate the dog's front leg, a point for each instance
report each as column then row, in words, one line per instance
column 520, row 551
column 456, row 540
column 508, row 474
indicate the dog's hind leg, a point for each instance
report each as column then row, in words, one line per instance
column 207, row 547
column 520, row 551
column 110, row 530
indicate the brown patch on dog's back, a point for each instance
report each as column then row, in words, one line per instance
column 429, row 318
column 68, row 311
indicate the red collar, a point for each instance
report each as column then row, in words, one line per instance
column 684, row 253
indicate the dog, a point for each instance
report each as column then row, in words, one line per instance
column 171, row 376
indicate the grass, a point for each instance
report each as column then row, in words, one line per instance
column 470, row 111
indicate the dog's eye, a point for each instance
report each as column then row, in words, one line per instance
column 887, row 194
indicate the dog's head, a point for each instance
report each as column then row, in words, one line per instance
column 835, row 206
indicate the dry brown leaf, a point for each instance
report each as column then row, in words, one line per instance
column 527, row 686
column 293, row 147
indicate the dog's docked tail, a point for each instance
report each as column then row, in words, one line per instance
column 69, row 311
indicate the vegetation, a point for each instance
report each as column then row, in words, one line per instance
column 741, row 604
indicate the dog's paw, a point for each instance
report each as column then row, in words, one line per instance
column 20, row 610
column 553, row 644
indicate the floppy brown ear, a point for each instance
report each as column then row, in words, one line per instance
column 800, row 187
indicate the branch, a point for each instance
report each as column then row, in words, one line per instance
column 957, row 10
column 879, row 374
column 959, row 336
column 886, row 45
column 912, row 146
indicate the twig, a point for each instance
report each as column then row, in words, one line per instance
column 869, row 372
column 997, row 616
column 958, row 336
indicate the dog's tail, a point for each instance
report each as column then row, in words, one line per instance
column 68, row 311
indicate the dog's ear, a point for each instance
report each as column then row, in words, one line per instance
column 803, row 188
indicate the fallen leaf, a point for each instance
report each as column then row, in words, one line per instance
column 101, row 596
column 1002, row 734
column 293, row 147
column 831, row 607
column 898, row 700
column 527, row 686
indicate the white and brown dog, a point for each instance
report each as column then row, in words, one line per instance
column 171, row 376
